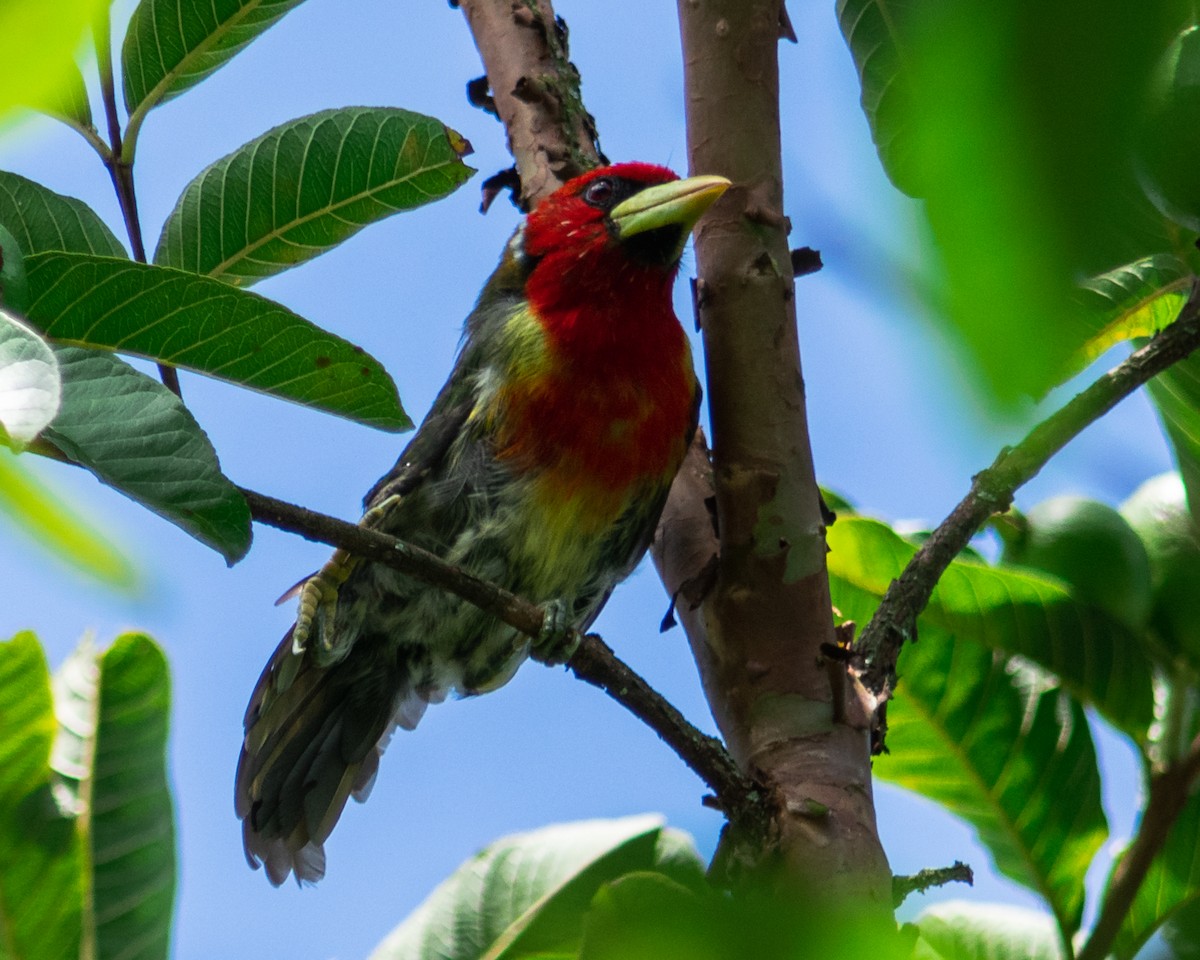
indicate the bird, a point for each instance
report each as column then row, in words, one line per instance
column 543, row 466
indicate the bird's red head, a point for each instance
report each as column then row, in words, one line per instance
column 608, row 242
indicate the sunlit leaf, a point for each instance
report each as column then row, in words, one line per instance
column 170, row 46
column 30, row 387
column 1136, row 300
column 53, row 525
column 42, row 220
column 207, row 326
column 958, row 930
column 999, row 744
column 136, row 436
column 526, row 894
column 306, row 186
column 41, row 858
column 1015, row 611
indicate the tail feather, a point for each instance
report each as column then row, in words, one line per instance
column 314, row 735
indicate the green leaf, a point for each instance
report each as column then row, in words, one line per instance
column 527, row 894
column 996, row 744
column 1176, row 396
column 1015, row 121
column 54, row 526
column 1136, row 300
column 43, row 220
column 138, row 437
column 1171, row 888
column 111, row 753
column 1182, row 932
column 170, row 47
column 30, row 388
column 307, row 185
column 14, row 285
column 958, row 930
column 1013, row 610
column 207, row 326
column 41, row 860
column 36, row 50
column 645, row 916
column 68, row 100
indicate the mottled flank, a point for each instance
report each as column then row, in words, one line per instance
column 543, row 466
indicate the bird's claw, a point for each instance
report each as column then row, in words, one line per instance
column 557, row 641
column 318, row 603
column 319, row 595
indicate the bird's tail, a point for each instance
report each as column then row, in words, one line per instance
column 314, row 736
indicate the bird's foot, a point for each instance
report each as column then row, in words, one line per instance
column 557, row 641
column 319, row 595
column 318, row 602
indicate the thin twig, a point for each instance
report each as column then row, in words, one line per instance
column 592, row 661
column 895, row 621
column 1168, row 795
column 120, row 171
column 904, row 886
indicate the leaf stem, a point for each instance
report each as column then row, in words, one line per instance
column 593, row 661
column 120, row 170
column 895, row 620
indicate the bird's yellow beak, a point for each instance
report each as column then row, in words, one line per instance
column 679, row 203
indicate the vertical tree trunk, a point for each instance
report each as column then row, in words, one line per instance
column 799, row 724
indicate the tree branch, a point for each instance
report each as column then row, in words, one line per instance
column 593, row 661
column 536, row 92
column 1169, row 793
column 895, row 620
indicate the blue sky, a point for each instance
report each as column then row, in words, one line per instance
column 895, row 427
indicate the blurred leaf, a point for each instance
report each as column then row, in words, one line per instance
column 41, row 860
column 1176, row 396
column 30, row 388
column 1182, row 932
column 527, row 894
column 207, row 326
column 997, row 744
column 1013, row 610
column 958, row 930
column 68, row 100
column 170, row 46
column 1171, row 886
column 111, row 753
column 138, row 437
column 37, row 51
column 55, row 527
column 1136, row 300
column 646, row 916
column 1168, row 140
column 307, row 185
column 1016, row 122
column 42, row 220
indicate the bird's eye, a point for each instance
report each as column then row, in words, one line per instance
column 600, row 194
